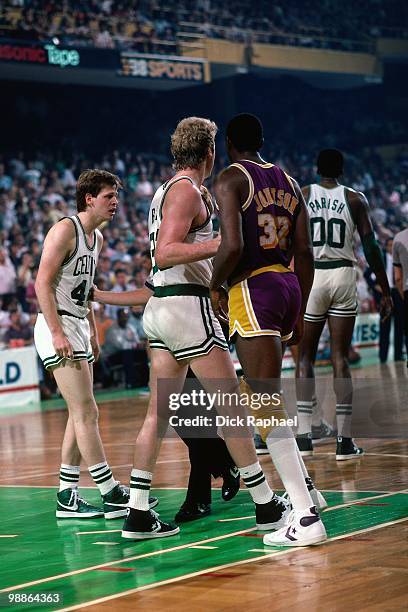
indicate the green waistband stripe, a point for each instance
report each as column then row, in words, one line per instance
column 334, row 263
column 182, row 289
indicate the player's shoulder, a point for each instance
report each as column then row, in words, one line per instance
column 231, row 175
column 65, row 228
column 354, row 196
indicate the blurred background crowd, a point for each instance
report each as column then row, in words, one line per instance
column 51, row 132
column 150, row 26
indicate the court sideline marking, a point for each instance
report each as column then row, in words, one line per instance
column 160, row 552
column 225, row 566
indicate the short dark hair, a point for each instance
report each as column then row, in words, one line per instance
column 93, row 181
column 245, row 132
column 330, row 163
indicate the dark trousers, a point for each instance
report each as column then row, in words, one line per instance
column 208, row 457
column 385, row 329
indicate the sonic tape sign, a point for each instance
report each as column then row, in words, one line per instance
column 161, row 67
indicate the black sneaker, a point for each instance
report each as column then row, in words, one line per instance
column 230, row 486
column 115, row 502
column 324, row 430
column 71, row 505
column 305, row 444
column 346, row 449
column 192, row 512
column 260, row 445
column 272, row 515
column 145, row 524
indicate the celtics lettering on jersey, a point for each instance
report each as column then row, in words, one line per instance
column 331, row 223
column 76, row 275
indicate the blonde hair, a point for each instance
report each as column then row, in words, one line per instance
column 191, row 140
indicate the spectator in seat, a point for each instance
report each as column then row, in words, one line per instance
column 19, row 333
column 123, row 347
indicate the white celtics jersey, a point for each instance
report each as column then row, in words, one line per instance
column 331, row 224
column 197, row 273
column 76, row 275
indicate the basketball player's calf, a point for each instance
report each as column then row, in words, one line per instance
column 82, row 438
column 341, row 332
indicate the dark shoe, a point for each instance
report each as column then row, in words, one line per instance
column 260, row 445
column 273, row 514
column 346, row 449
column 71, row 505
column 192, row 512
column 145, row 524
column 324, row 430
column 305, row 444
column 230, row 486
column 115, row 503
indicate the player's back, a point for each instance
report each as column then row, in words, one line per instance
column 331, row 224
column 268, row 219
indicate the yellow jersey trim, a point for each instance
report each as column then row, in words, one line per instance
column 251, row 185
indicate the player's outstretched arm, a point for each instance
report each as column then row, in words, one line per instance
column 58, row 244
column 137, row 297
column 360, row 211
column 181, row 208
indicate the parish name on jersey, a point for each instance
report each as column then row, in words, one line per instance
column 326, row 203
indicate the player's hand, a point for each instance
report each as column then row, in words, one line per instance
column 96, row 349
column 386, row 307
column 297, row 332
column 62, row 345
column 219, row 303
column 94, row 294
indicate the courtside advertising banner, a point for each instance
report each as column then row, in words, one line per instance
column 19, row 384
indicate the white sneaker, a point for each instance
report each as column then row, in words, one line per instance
column 302, row 529
column 317, row 498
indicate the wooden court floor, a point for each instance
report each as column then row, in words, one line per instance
column 218, row 563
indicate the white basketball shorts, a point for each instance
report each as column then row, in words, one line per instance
column 334, row 294
column 77, row 332
column 185, row 325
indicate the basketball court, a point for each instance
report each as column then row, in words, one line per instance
column 217, row 562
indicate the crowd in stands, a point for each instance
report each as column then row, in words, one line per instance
column 150, row 26
column 38, row 191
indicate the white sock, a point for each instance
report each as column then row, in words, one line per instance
column 317, row 412
column 343, row 418
column 69, row 476
column 284, row 452
column 140, row 482
column 305, row 414
column 102, row 476
column 256, row 483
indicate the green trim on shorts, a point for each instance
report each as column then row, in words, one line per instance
column 55, row 359
column 334, row 263
column 182, row 289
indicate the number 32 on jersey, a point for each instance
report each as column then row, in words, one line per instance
column 275, row 231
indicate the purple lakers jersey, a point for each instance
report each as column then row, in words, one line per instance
column 268, row 217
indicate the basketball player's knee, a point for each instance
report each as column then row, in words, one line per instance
column 85, row 412
column 268, row 410
column 340, row 365
column 305, row 367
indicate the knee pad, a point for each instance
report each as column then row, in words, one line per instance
column 267, row 410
